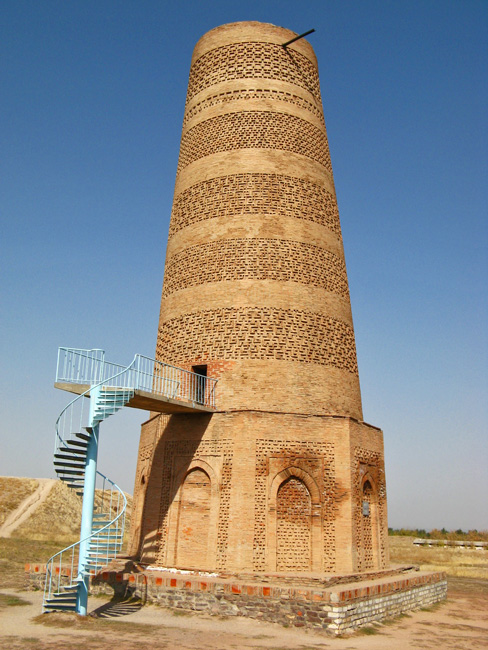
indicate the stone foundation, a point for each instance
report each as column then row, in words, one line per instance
column 336, row 604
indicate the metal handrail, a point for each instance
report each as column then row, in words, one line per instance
column 92, row 364
column 76, row 365
column 96, row 532
column 58, row 438
column 48, row 585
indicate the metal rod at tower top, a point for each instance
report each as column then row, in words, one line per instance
column 310, row 31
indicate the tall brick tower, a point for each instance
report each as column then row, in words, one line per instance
column 284, row 475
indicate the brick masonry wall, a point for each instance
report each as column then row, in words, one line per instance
column 237, row 247
column 263, row 259
column 334, row 611
column 272, row 194
column 249, row 458
column 256, row 288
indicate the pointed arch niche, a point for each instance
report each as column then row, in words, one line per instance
column 294, row 526
column 138, row 512
column 369, row 547
column 193, row 518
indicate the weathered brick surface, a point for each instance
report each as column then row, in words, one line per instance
column 256, row 259
column 249, row 457
column 335, row 604
column 262, row 60
column 256, row 288
column 254, row 130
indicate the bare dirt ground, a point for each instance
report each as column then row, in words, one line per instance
column 460, row 623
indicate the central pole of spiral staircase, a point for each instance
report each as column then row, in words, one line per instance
column 87, row 507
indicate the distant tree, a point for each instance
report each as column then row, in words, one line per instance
column 477, row 535
column 459, row 535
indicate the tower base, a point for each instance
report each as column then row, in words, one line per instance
column 336, row 604
column 260, row 492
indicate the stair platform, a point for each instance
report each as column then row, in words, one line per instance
column 145, row 400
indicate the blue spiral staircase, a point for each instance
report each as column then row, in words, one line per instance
column 145, row 384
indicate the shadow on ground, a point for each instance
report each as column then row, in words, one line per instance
column 118, row 607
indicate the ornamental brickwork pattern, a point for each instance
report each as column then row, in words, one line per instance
column 256, row 259
column 366, row 532
column 258, row 333
column 144, row 461
column 195, row 449
column 255, row 275
column 254, row 130
column 253, row 61
column 317, row 460
column 294, row 527
column 253, row 93
column 370, row 463
column 255, row 194
column 194, row 519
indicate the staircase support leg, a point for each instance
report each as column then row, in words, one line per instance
column 87, row 513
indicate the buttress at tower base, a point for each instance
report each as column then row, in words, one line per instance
column 283, row 475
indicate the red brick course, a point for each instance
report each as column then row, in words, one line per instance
column 334, row 603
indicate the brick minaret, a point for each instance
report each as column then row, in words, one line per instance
column 285, row 476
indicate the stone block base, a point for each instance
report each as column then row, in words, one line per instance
column 336, row 604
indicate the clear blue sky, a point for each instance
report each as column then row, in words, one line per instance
column 92, row 105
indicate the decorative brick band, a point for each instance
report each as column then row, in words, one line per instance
column 256, row 259
column 254, row 130
column 258, row 333
column 252, row 93
column 266, row 194
column 253, row 61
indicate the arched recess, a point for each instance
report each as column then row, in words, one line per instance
column 294, row 530
column 193, row 518
column 137, row 539
column 369, row 537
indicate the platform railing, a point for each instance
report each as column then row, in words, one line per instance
column 81, row 366
column 78, row 366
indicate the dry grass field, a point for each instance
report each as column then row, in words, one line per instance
column 54, row 525
column 462, row 622
column 459, row 562
column 15, row 552
column 58, row 517
column 13, row 491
